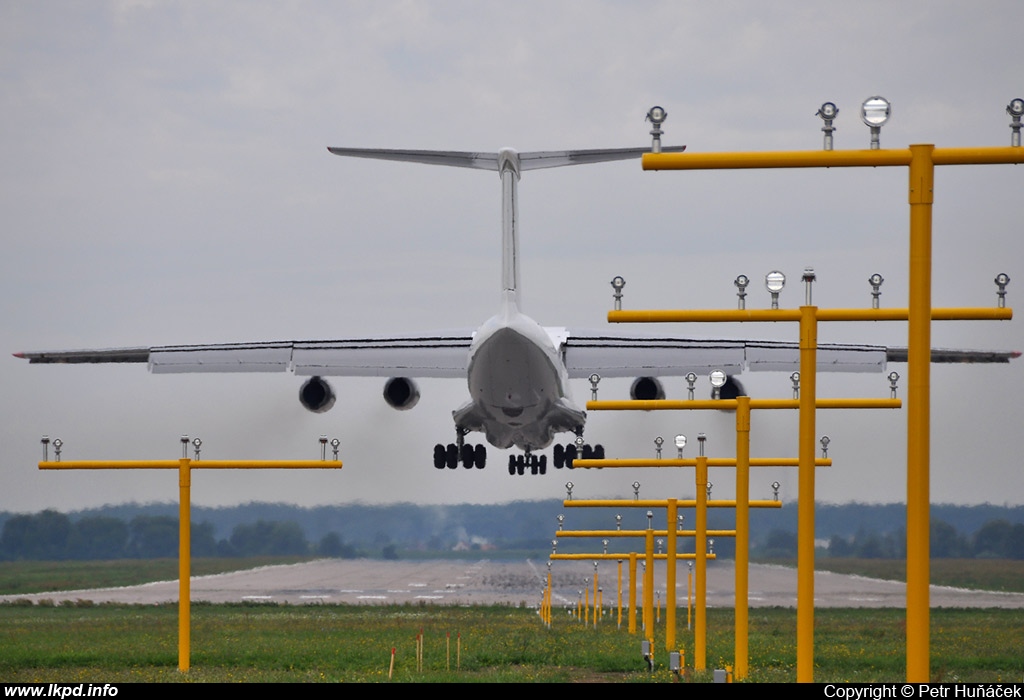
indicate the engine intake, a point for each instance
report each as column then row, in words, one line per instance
column 646, row 389
column 316, row 395
column 401, row 393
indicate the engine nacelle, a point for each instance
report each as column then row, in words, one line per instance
column 401, row 393
column 646, row 389
column 731, row 389
column 316, row 395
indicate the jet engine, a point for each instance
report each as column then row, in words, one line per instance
column 401, row 393
column 646, row 389
column 316, row 395
column 732, row 388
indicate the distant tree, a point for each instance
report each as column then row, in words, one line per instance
column 43, row 536
column 266, row 537
column 946, row 543
column 202, row 541
column 389, row 552
column 839, row 546
column 153, row 537
column 330, row 545
column 992, row 540
column 98, row 537
column 779, row 543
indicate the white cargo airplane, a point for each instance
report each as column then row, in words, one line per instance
column 518, row 371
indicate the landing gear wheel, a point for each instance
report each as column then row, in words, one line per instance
column 570, row 455
column 468, row 456
column 480, row 456
column 543, row 464
column 598, row 451
column 558, row 456
column 439, row 456
column 452, row 456
column 512, row 465
column 520, row 465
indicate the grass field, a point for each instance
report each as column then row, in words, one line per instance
column 495, row 644
column 259, row 642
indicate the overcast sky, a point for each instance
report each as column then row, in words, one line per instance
column 164, row 179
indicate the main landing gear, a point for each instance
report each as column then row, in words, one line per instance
column 519, row 464
column 565, row 454
column 453, row 454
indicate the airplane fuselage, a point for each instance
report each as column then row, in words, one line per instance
column 518, row 384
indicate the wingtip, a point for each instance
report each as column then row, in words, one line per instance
column 22, row 355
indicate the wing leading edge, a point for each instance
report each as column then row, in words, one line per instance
column 445, row 354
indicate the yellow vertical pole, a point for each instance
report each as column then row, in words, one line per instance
column 805, row 498
column 701, row 540
column 597, row 605
column 742, row 532
column 586, row 605
column 921, row 191
column 184, row 563
column 632, row 592
column 619, row 625
column 670, row 576
column 649, row 584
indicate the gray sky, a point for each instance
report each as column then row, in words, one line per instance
column 165, row 180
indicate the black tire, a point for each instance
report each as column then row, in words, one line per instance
column 520, row 465
column 512, row 465
column 588, row 453
column 598, row 451
column 558, row 456
column 439, row 456
column 452, row 456
column 480, row 456
column 570, row 455
column 468, row 456
column 543, row 464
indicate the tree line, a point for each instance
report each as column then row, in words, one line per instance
column 53, row 536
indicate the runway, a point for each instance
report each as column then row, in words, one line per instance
column 445, row 582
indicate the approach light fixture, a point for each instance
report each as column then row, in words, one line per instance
column 650, row 518
column 808, row 279
column 893, row 378
column 57, row 444
column 636, row 490
column 775, row 488
column 875, row 281
column 717, row 378
column 701, row 437
column 709, row 489
column 1001, row 280
column 605, row 543
column 196, row 444
column 618, row 522
column 184, row 446
column 741, row 283
column 594, row 379
column 656, row 116
column 1016, row 110
column 875, row 113
column 825, row 440
column 617, row 284
column 46, row 448
column 680, row 444
column 774, row 282
column 335, row 444
column 568, row 490
column 323, row 448
column 795, row 378
column 691, row 379
column 828, row 111
column 561, row 519
column 658, row 442
column 554, row 546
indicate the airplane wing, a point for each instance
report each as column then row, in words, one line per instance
column 611, row 354
column 428, row 355
column 444, row 355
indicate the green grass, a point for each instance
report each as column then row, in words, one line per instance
column 984, row 574
column 42, row 576
column 263, row 643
